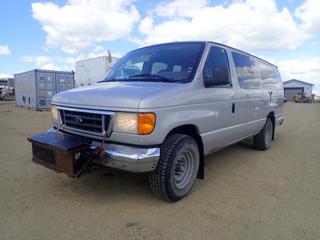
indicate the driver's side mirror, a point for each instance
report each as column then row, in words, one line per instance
column 220, row 77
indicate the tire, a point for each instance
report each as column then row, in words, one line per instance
column 263, row 139
column 177, row 168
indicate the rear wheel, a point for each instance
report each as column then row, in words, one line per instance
column 177, row 168
column 263, row 139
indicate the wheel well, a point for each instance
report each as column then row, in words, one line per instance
column 193, row 131
column 273, row 120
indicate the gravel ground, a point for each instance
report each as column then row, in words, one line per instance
column 247, row 194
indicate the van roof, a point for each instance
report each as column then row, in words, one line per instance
column 220, row 44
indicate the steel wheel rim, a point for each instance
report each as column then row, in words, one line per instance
column 268, row 134
column 183, row 169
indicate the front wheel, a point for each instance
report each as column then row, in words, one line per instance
column 177, row 168
column 263, row 139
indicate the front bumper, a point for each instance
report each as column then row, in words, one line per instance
column 124, row 157
column 128, row 158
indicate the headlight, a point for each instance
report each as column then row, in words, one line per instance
column 54, row 113
column 136, row 123
column 126, row 123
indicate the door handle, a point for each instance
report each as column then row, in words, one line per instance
column 233, row 107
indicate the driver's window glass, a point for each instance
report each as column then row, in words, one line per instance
column 217, row 57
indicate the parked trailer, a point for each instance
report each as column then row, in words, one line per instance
column 34, row 89
column 7, row 89
column 91, row 70
column 7, row 82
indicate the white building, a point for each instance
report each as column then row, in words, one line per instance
column 91, row 70
column 295, row 87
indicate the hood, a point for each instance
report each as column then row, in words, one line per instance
column 111, row 94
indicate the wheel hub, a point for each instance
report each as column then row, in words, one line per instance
column 268, row 135
column 183, row 169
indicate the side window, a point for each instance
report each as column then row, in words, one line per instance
column 248, row 75
column 217, row 58
column 269, row 79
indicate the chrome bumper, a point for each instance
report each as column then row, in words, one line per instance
column 132, row 159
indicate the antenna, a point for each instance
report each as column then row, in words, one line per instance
column 109, row 56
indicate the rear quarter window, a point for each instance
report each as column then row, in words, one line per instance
column 270, row 78
column 247, row 71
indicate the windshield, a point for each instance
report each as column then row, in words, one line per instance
column 171, row 62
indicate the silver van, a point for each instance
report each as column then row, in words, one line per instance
column 161, row 109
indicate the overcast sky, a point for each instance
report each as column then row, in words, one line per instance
column 54, row 34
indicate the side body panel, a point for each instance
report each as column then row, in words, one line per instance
column 221, row 102
column 212, row 113
column 274, row 100
column 249, row 106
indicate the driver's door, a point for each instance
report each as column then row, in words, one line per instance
column 220, row 100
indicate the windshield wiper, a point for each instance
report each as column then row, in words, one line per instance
column 148, row 75
column 111, row 80
column 140, row 76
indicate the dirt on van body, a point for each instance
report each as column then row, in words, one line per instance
column 247, row 194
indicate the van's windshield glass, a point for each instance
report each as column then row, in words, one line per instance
column 171, row 62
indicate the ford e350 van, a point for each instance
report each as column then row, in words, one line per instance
column 161, row 109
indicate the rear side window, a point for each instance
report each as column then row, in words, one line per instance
column 269, row 78
column 247, row 72
column 217, row 57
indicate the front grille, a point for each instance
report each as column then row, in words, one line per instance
column 90, row 122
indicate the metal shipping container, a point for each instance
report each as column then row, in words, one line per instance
column 34, row 89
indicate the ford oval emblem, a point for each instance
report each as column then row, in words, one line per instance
column 78, row 120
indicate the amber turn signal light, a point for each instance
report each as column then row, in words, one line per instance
column 146, row 123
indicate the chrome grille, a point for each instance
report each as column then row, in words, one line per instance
column 85, row 121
